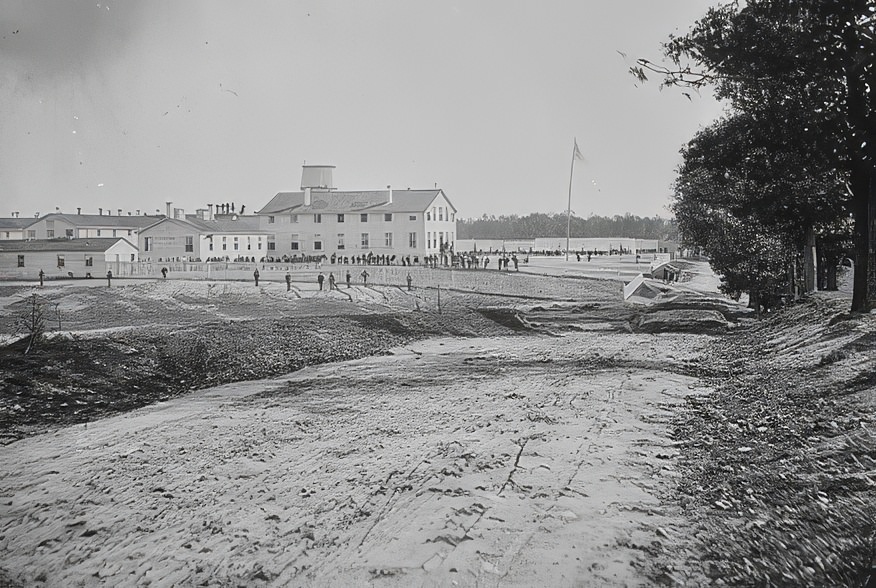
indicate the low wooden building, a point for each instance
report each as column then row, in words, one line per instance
column 66, row 258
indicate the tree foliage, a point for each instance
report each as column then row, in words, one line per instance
column 536, row 225
column 797, row 75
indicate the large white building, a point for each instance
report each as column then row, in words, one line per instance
column 320, row 220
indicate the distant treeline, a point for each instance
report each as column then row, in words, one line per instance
column 540, row 224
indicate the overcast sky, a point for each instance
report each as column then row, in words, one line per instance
column 130, row 104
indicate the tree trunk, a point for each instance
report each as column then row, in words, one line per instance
column 809, row 262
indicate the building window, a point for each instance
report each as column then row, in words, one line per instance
column 317, row 245
column 20, row 261
column 387, row 239
column 387, row 216
column 132, row 257
column 441, row 213
column 340, row 240
column 130, row 232
column 340, row 218
column 98, row 232
column 413, row 217
column 428, row 239
column 295, row 238
column 89, row 261
column 293, row 218
column 31, row 234
column 271, row 220
column 50, row 234
column 452, row 216
column 60, row 261
column 224, row 246
column 317, row 218
column 147, row 244
column 210, row 246
column 68, row 233
column 363, row 217
column 114, row 232
column 428, row 215
column 412, row 240
column 364, row 239
column 190, row 244
column 272, row 246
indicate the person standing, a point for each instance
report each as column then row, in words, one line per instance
column 320, row 278
column 514, row 259
column 42, row 275
column 288, row 281
column 364, row 275
column 349, row 277
column 109, row 278
column 332, row 281
column 164, row 273
column 410, row 280
column 255, row 275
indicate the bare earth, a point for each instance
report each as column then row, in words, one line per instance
column 507, row 461
column 534, row 459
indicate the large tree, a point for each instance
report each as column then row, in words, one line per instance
column 811, row 61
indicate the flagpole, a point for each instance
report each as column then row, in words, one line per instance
column 569, row 207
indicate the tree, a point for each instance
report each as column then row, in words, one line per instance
column 743, row 170
column 812, row 57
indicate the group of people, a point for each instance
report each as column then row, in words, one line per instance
column 473, row 261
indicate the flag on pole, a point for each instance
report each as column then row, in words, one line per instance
column 577, row 153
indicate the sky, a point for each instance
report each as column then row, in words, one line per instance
column 128, row 105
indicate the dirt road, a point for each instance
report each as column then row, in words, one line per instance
column 506, row 461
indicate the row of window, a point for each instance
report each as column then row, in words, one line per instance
column 62, row 260
column 438, row 238
column 442, row 213
column 364, row 241
column 363, row 217
column 68, row 233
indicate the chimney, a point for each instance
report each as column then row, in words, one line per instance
column 168, row 209
column 129, row 213
column 78, row 210
column 307, row 198
column 138, row 212
column 120, row 211
column 179, row 213
column 210, row 207
column 390, row 194
column 100, row 211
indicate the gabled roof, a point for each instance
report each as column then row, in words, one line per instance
column 232, row 224
column 15, row 223
column 101, row 220
column 227, row 225
column 337, row 201
column 95, row 245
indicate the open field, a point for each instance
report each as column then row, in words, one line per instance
column 520, row 431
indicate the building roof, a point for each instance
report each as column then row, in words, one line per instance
column 95, row 245
column 15, row 223
column 226, row 224
column 101, row 220
column 337, row 201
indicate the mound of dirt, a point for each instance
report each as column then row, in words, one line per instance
column 77, row 378
column 682, row 321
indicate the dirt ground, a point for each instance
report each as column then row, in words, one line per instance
column 525, row 435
